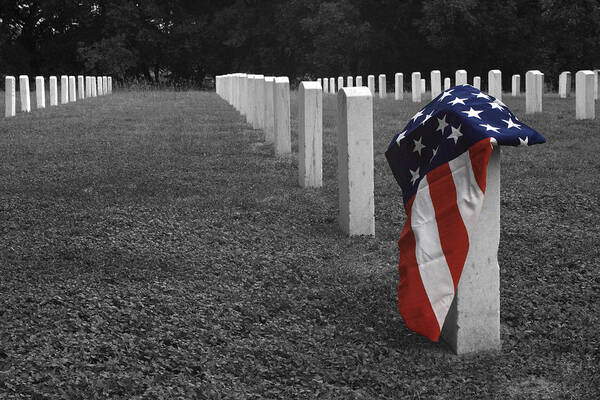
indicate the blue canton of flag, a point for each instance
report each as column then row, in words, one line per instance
column 449, row 125
column 440, row 160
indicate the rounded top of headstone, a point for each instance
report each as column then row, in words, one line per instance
column 360, row 91
column 310, row 85
column 282, row 79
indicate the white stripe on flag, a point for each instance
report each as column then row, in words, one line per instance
column 469, row 196
column 433, row 267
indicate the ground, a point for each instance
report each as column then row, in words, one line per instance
column 153, row 247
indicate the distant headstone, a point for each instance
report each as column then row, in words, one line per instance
column 24, row 93
column 477, row 82
column 99, row 86
column 110, row 84
column 72, row 89
column 281, row 98
column 80, row 87
column 259, row 98
column 382, row 86
column 516, row 85
column 461, row 77
column 585, row 105
column 564, row 84
column 436, row 83
column 340, row 82
column 534, row 87
column 447, row 83
column 596, row 81
column 355, row 161
column 371, row 84
column 332, row 85
column 416, row 87
column 94, row 86
column 310, row 135
column 53, row 91
column 270, row 109
column 349, row 81
column 495, row 83
column 10, row 96
column 249, row 98
column 105, row 85
column 40, row 92
column 88, row 89
column 359, row 81
column 320, row 82
column 423, row 86
column 326, row 85
column 399, row 86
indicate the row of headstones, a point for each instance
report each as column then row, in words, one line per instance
column 534, row 86
column 71, row 89
column 265, row 103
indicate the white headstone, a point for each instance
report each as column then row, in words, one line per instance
column 325, row 85
column 516, row 85
column 72, row 89
column 270, row 109
column 332, row 85
column 340, row 82
column 105, row 84
column 436, row 84
column 110, row 85
column 88, row 89
column 564, row 84
column 495, row 83
column 416, row 87
column 310, row 135
column 355, row 161
column 320, row 82
column 473, row 321
column 371, row 84
column 399, row 86
column 596, row 81
column 281, row 98
column 423, row 86
column 80, row 87
column 534, row 87
column 461, row 77
column 53, row 91
column 447, row 83
column 40, row 92
column 10, row 97
column 99, row 86
column 349, row 81
column 359, row 82
column 24, row 93
column 585, row 105
column 477, row 82
column 251, row 117
column 382, row 86
column 259, row 98
column 94, row 86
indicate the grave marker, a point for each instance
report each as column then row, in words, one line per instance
column 585, row 104
column 24, row 93
column 423, row 86
column 359, row 81
column 461, row 77
column 534, row 86
column 416, row 87
column 326, row 85
column 371, row 84
column 564, row 84
column 40, row 92
column 382, row 86
column 332, row 85
column 350, row 81
column 110, row 85
column 72, row 89
column 80, row 87
column 259, row 99
column 355, row 161
column 310, row 135
column 94, row 86
column 495, row 83
column 436, row 83
column 105, row 85
column 477, row 82
column 340, row 82
column 447, row 83
column 53, row 91
column 270, row 109
column 399, row 86
column 99, row 86
column 281, row 98
column 516, row 85
column 10, row 96
column 596, row 72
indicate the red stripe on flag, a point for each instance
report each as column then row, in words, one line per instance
column 453, row 234
column 480, row 154
column 413, row 302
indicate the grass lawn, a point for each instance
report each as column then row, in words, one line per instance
column 153, row 247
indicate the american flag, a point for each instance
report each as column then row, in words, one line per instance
column 440, row 161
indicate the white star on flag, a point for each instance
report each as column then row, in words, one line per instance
column 489, row 127
column 456, row 134
column 400, row 137
column 524, row 143
column 458, row 100
column 417, row 116
column 418, row 146
column 473, row 113
column 442, row 124
column 496, row 106
column 481, row 95
column 511, row 123
column 427, row 118
column 415, row 175
column 446, row 94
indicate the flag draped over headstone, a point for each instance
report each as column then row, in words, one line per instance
column 440, row 161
